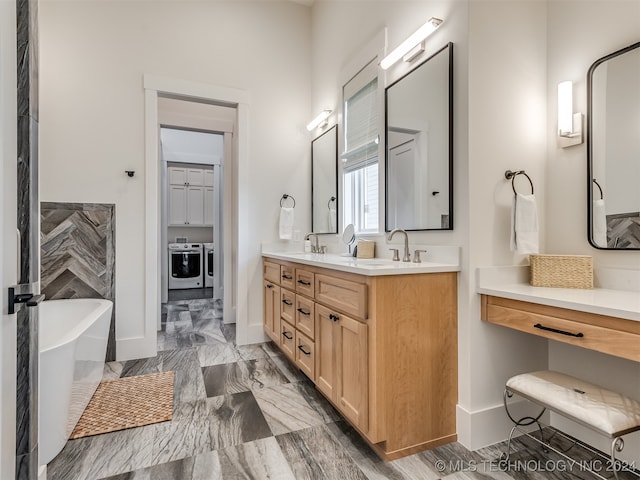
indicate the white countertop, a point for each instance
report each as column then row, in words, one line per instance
column 604, row 301
column 368, row 267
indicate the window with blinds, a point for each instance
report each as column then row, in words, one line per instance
column 360, row 158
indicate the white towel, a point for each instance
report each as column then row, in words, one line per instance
column 286, row 223
column 599, row 223
column 333, row 219
column 524, row 225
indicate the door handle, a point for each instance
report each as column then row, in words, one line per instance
column 14, row 298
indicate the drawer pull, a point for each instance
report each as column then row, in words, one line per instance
column 287, row 336
column 555, row 330
column 303, row 312
column 333, row 317
column 269, row 285
column 287, row 277
column 306, row 284
column 287, row 303
column 301, row 348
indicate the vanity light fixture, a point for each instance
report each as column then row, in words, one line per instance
column 569, row 123
column 412, row 46
column 320, row 121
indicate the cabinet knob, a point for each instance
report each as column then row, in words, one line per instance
column 333, row 317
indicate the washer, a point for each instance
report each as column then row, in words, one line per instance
column 185, row 265
column 208, row 264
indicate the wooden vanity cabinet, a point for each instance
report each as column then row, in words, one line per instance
column 381, row 349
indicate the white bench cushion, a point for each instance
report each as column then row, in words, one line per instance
column 609, row 412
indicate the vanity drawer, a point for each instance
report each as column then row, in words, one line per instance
column 306, row 355
column 271, row 271
column 345, row 295
column 610, row 335
column 287, row 307
column 288, row 340
column 304, row 282
column 287, row 276
column 305, row 315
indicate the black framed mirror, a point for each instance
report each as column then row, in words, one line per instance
column 324, row 182
column 613, row 150
column 419, row 146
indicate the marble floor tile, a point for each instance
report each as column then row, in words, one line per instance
column 313, row 453
column 229, row 332
column 205, row 466
column 251, row 352
column 258, row 460
column 286, row 408
column 188, row 384
column 271, row 349
column 112, row 370
column 288, row 369
column 412, row 467
column 224, row 379
column 104, row 455
column 241, row 376
column 318, row 402
column 235, row 419
column 142, row 366
column 217, row 354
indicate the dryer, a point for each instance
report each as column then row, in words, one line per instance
column 208, row 264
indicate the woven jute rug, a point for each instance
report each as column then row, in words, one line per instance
column 127, row 403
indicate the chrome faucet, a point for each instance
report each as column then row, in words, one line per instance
column 315, row 247
column 407, row 256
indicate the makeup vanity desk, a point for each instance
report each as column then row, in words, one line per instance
column 600, row 319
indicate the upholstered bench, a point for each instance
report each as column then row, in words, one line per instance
column 601, row 410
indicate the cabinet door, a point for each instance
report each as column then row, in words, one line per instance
column 208, row 178
column 195, row 177
column 288, row 309
column 288, row 340
column 326, row 372
column 272, row 311
column 195, row 205
column 177, row 205
column 208, row 205
column 352, row 379
column 177, row 176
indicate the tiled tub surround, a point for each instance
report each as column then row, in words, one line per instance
column 378, row 338
column 268, row 422
column 78, row 254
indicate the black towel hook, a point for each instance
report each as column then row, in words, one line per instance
column 332, row 199
column 599, row 188
column 284, row 197
column 509, row 175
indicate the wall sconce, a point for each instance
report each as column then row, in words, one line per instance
column 412, row 46
column 320, row 121
column 569, row 123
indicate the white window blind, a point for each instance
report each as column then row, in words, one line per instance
column 360, row 156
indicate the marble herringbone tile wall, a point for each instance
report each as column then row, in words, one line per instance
column 78, row 254
column 624, row 230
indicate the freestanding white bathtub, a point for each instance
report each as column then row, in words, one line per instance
column 72, row 342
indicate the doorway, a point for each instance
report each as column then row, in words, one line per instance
column 234, row 286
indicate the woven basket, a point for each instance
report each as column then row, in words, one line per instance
column 366, row 249
column 563, row 271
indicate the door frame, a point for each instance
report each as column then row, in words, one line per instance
column 236, row 208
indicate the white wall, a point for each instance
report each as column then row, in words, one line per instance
column 507, row 131
column 573, row 45
column 8, row 243
column 93, row 57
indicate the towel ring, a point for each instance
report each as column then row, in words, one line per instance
column 284, row 197
column 599, row 188
column 332, row 199
column 509, row 175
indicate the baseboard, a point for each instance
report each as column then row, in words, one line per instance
column 481, row 428
column 136, row 347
